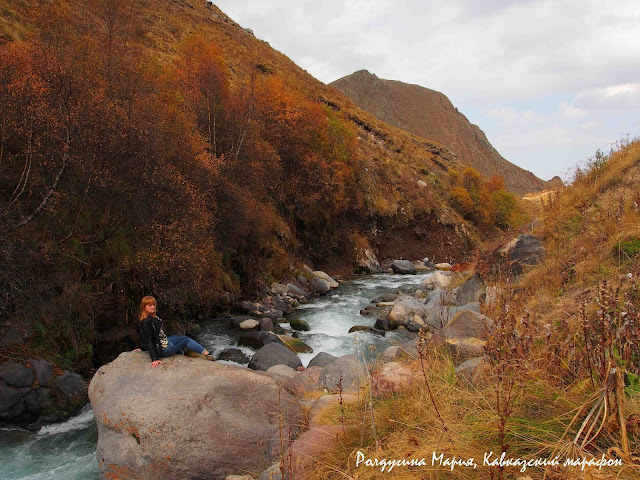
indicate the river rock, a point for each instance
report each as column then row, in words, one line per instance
column 368, row 329
column 73, row 387
column 271, row 473
column 233, row 355
column 274, row 354
column 382, row 323
column 437, row 317
column 320, row 274
column 32, row 403
column 443, row 266
column 249, row 324
column 403, row 267
column 296, row 291
column 16, row 374
column 298, row 324
column 439, row 280
column 392, row 378
column 304, row 382
column 295, row 345
column 346, row 368
column 304, row 282
column 11, row 402
column 321, row 360
column 266, row 325
column 391, row 353
column 318, row 286
column 472, row 290
column 413, row 326
column 467, row 332
column 250, row 307
column 308, row 447
column 279, row 288
column 469, row 367
column 258, row 340
column 405, row 306
column 272, row 314
column 321, row 404
column 282, row 371
column 161, row 422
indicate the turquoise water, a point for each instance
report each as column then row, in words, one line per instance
column 67, row 450
column 64, row 450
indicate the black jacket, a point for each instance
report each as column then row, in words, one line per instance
column 150, row 337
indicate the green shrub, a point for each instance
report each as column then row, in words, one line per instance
column 628, row 249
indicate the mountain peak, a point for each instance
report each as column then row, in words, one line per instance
column 430, row 114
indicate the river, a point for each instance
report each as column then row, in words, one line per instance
column 66, row 450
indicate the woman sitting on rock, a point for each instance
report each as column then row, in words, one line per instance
column 154, row 340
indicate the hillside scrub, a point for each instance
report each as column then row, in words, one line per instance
column 137, row 158
column 124, row 175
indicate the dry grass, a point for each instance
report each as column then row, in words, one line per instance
column 408, row 428
column 552, row 391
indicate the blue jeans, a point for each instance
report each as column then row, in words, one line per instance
column 178, row 342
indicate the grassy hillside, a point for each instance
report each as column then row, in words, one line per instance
column 561, row 371
column 430, row 114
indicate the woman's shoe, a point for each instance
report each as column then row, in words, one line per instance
column 208, row 356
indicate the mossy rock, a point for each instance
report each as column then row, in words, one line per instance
column 295, row 345
column 298, row 324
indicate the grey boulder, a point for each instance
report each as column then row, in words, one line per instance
column 274, row 354
column 403, row 267
column 346, row 373
column 188, row 418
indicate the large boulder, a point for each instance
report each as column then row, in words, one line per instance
column 72, row 386
column 403, row 267
column 304, row 382
column 404, row 308
column 299, row 324
column 304, row 454
column 467, row 333
column 438, row 279
column 295, row 290
column 323, row 276
column 321, row 360
column 279, row 288
column 44, row 371
column 318, row 410
column 233, row 355
column 346, row 373
column 295, row 344
column 188, row 418
column 511, row 258
column 392, row 377
column 258, row 340
column 437, row 317
column 318, row 286
column 16, row 374
column 472, row 290
column 274, row 354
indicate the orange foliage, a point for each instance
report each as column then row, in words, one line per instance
column 483, row 202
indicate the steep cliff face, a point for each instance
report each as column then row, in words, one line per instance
column 431, row 115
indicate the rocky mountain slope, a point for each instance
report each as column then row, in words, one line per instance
column 430, row 114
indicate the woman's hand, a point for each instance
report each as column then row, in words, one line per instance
column 137, row 350
column 156, row 363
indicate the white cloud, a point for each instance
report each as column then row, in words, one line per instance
column 616, row 97
column 559, row 74
column 510, row 117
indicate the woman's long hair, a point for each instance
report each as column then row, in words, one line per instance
column 148, row 300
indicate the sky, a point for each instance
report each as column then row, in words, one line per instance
column 548, row 81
